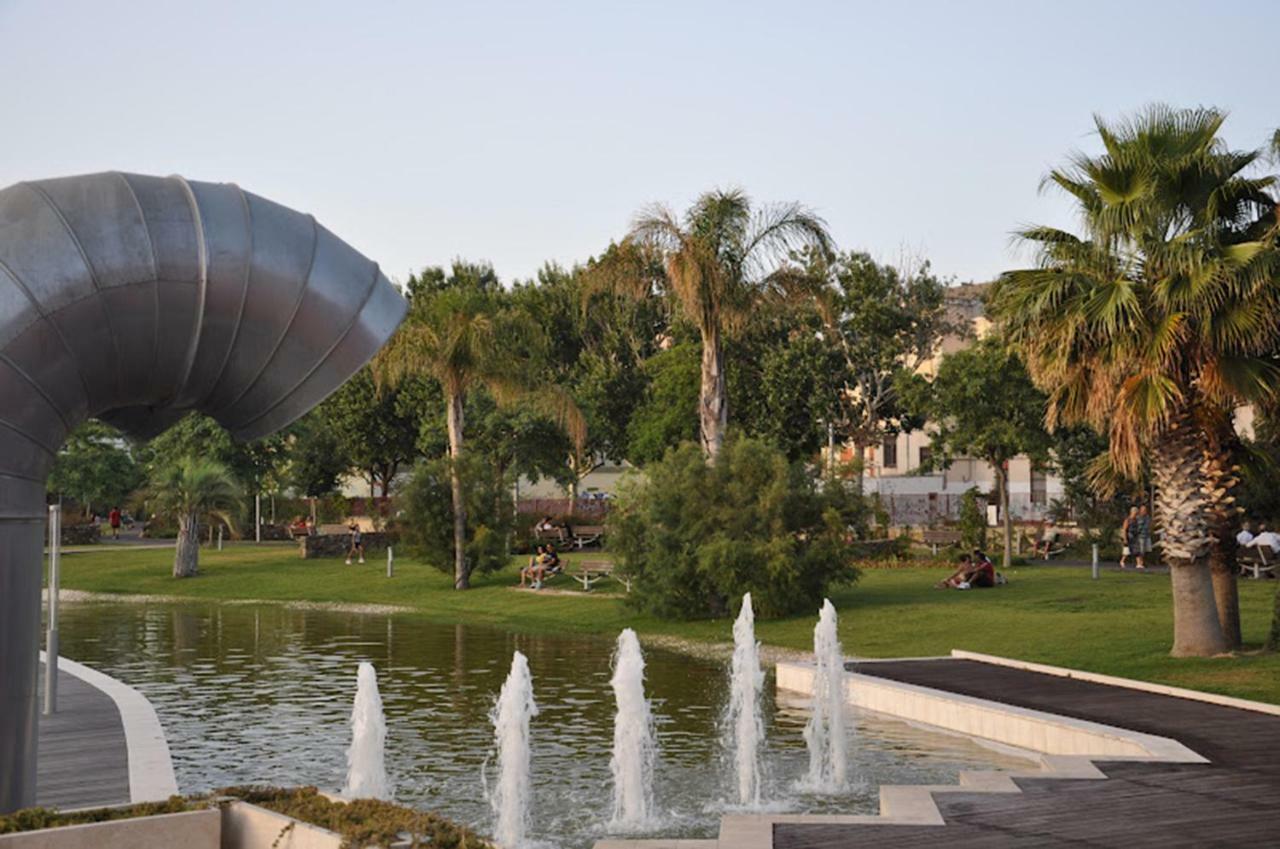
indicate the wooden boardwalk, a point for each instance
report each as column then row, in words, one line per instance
column 82, row 756
column 1232, row 801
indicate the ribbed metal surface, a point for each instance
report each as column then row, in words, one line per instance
column 138, row 299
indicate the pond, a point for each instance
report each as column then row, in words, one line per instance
column 251, row 693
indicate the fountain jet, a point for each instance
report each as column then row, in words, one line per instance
column 634, row 745
column 825, row 732
column 366, row 766
column 743, row 726
column 510, row 717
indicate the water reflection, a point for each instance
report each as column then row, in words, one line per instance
column 252, row 693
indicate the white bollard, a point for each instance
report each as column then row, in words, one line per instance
column 219, row 537
column 390, row 562
column 1095, row 561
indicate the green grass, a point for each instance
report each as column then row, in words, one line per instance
column 1118, row 625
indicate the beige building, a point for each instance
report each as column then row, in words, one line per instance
column 915, row 498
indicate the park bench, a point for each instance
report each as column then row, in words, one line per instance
column 585, row 535
column 557, row 535
column 589, row 572
column 942, row 537
column 1252, row 559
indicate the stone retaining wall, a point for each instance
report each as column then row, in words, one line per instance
column 336, row 545
column 80, row 534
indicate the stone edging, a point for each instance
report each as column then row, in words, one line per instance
column 1111, row 680
column 151, row 777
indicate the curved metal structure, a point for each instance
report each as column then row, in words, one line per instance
column 138, row 299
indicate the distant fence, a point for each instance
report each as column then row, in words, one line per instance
column 596, row 508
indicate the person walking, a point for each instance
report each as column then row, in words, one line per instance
column 1129, row 537
column 114, row 519
column 1143, row 524
column 357, row 543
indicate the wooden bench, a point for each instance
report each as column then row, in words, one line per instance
column 557, row 535
column 589, row 572
column 585, row 535
column 937, row 538
column 1252, row 559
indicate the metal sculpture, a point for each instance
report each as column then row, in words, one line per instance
column 137, row 299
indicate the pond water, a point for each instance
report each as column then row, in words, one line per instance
column 250, row 693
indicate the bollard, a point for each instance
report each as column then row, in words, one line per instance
column 51, row 641
column 1095, row 561
column 219, row 537
column 390, row 562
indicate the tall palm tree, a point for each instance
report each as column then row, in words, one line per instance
column 720, row 259
column 1155, row 322
column 462, row 336
column 192, row 490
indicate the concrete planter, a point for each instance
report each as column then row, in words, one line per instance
column 237, row 825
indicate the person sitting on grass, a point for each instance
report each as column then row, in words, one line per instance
column 535, row 563
column 975, row 570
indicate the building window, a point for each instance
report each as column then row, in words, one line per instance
column 889, row 452
column 926, row 454
column 1039, row 487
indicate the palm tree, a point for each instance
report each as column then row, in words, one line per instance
column 460, row 334
column 191, row 490
column 1155, row 323
column 719, row 260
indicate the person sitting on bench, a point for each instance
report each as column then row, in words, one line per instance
column 535, row 563
column 1048, row 539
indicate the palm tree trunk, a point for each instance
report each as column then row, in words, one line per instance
column 1185, row 516
column 713, row 401
column 461, row 575
column 1220, row 480
column 186, row 554
column 1002, row 481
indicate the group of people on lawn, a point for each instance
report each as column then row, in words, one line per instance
column 976, row 572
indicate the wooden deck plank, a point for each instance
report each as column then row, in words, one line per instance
column 82, row 756
column 1229, row 802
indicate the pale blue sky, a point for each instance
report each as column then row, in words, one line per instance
column 525, row 132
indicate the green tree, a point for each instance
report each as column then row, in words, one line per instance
column 695, row 535
column 192, row 490
column 881, row 322
column 375, row 428
column 668, row 413
column 1153, row 324
column 718, row 261
column 95, row 467
column 982, row 404
column 461, row 334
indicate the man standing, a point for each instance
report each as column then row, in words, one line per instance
column 114, row 518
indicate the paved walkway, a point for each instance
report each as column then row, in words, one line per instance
column 1232, row 801
column 82, row 756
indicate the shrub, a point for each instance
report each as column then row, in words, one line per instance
column 696, row 536
column 973, row 524
column 426, row 528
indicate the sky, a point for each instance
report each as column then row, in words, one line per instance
column 521, row 133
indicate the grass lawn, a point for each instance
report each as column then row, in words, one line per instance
column 1120, row 624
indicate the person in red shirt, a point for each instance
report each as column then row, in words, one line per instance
column 114, row 518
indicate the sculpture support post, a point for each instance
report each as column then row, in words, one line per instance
column 20, row 579
column 51, row 639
